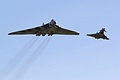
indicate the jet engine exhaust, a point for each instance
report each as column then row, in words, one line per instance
column 16, row 59
column 27, row 64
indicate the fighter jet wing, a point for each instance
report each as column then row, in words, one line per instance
column 105, row 37
column 28, row 31
column 64, row 31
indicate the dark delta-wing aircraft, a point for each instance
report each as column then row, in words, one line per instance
column 99, row 34
column 49, row 28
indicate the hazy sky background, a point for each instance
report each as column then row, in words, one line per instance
column 64, row 57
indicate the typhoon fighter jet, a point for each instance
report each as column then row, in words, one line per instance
column 49, row 28
column 99, row 34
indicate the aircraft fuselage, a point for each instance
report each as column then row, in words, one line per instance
column 47, row 30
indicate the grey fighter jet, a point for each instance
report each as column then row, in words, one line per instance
column 49, row 28
column 99, row 34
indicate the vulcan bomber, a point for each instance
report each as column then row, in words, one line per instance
column 49, row 28
column 99, row 35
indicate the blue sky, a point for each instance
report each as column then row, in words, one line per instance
column 64, row 57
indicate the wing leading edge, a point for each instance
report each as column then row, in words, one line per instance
column 29, row 31
column 64, row 31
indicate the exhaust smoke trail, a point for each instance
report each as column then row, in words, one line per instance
column 21, row 71
column 16, row 60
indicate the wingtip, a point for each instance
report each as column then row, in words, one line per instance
column 78, row 33
column 108, row 39
column 9, row 33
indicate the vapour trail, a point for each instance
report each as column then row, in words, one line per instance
column 21, row 71
column 15, row 60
